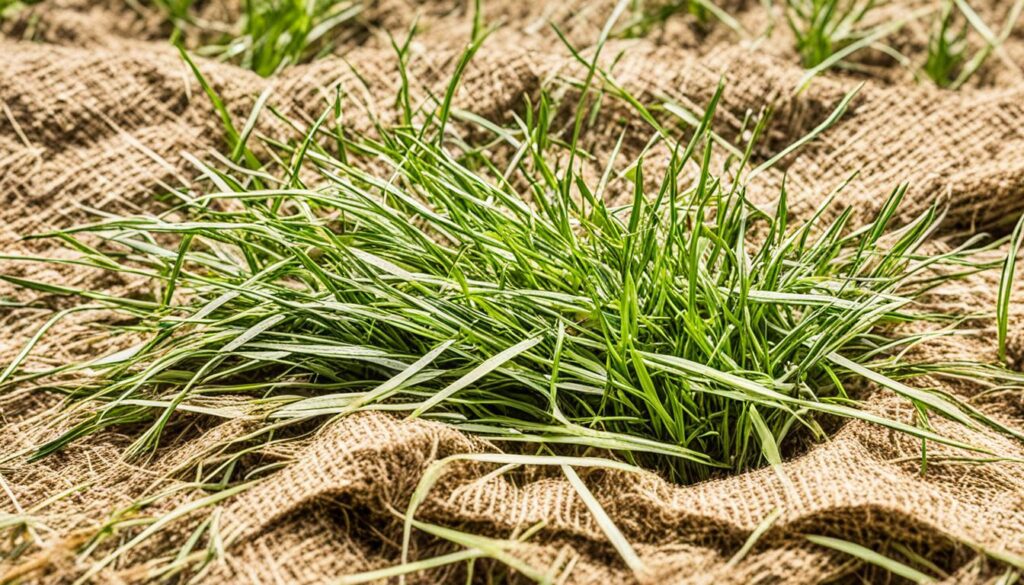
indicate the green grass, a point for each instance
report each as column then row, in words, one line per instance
column 946, row 49
column 177, row 12
column 270, row 34
column 823, row 27
column 9, row 7
column 687, row 332
column 645, row 15
column 907, row 565
column 864, row 554
column 278, row 33
column 949, row 63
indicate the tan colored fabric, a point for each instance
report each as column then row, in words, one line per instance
column 96, row 111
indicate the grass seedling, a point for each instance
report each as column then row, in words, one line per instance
column 270, row 34
column 689, row 332
column 947, row 64
column 947, row 46
column 278, row 33
column 646, row 15
column 823, row 27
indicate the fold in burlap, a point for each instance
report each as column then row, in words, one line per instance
column 96, row 112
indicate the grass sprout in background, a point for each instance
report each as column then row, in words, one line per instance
column 823, row 27
column 270, row 34
column 645, row 15
column 947, row 48
column 273, row 34
column 277, row 33
column 177, row 12
column 948, row 63
column 689, row 332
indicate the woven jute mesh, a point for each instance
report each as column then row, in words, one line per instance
column 97, row 111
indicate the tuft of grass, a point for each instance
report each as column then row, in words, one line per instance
column 646, row 15
column 947, row 63
column 270, row 34
column 946, row 49
column 278, row 33
column 688, row 332
column 823, row 27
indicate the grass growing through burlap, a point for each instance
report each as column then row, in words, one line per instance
column 667, row 331
column 689, row 332
column 277, row 34
column 823, row 27
column 644, row 15
column 949, row 63
column 827, row 32
column 269, row 34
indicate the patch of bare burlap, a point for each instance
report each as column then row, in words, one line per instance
column 97, row 112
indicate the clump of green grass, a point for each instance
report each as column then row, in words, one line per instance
column 823, row 27
column 947, row 63
column 278, row 33
column 691, row 331
column 946, row 49
column 270, row 34
column 646, row 15
column 1006, row 288
column 688, row 332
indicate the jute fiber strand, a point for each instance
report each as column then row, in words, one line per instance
column 97, row 111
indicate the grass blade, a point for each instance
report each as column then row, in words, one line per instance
column 1006, row 287
column 869, row 556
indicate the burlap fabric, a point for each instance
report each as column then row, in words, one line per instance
column 96, row 111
